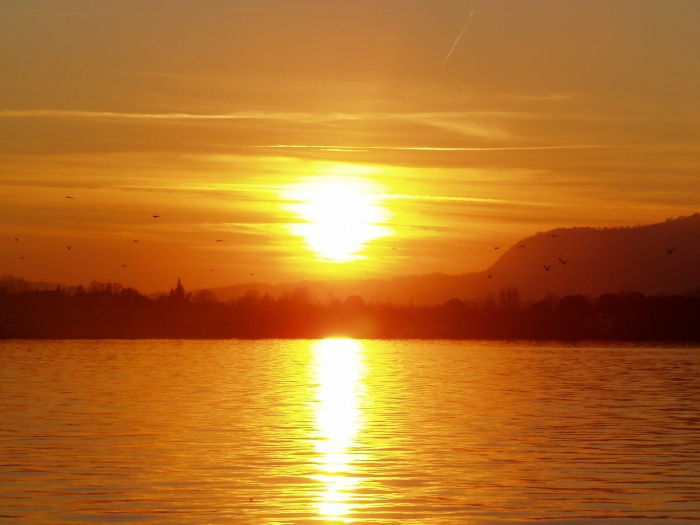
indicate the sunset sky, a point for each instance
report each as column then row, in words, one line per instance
column 333, row 138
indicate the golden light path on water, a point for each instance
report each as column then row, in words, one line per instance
column 338, row 372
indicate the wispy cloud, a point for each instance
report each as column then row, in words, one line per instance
column 452, row 122
column 89, row 9
column 445, row 198
column 430, row 148
column 64, row 113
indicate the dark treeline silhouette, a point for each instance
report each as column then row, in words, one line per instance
column 106, row 310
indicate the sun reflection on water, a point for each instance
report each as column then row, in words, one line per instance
column 338, row 371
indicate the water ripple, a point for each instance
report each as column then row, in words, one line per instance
column 281, row 432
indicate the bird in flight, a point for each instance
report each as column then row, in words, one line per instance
column 394, row 248
column 69, row 247
column 135, row 240
column 670, row 252
column 522, row 247
column 554, row 235
column 497, row 247
column 330, row 293
column 252, row 274
column 490, row 275
column 562, row 260
column 546, row 268
column 22, row 257
column 69, row 197
column 123, row 265
column 156, row 216
column 219, row 240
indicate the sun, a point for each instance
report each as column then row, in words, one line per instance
column 339, row 215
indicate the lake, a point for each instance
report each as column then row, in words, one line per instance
column 294, row 432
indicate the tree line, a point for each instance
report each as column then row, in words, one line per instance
column 107, row 310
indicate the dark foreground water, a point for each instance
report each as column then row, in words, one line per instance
column 209, row 432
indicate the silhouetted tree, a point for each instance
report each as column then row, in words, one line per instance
column 354, row 303
column 204, row 297
column 574, row 308
column 509, row 298
column 14, row 284
column 610, row 305
column 178, row 295
column 106, row 310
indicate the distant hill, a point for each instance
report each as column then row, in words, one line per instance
column 421, row 289
column 15, row 284
column 598, row 260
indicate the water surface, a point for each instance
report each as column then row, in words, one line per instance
column 347, row 431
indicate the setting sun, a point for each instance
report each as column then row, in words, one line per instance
column 342, row 262
column 340, row 215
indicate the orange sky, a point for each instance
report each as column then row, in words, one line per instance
column 277, row 126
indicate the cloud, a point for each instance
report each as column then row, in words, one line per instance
column 62, row 113
column 432, row 148
column 403, row 196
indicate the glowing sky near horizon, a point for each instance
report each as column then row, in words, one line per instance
column 233, row 119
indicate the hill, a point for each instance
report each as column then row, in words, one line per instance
column 600, row 260
column 597, row 261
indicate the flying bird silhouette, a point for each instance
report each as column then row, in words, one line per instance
column 394, row 248
column 22, row 257
column 490, row 276
column 135, row 240
column 670, row 252
column 219, row 240
column 497, row 248
column 252, row 274
column 156, row 216
column 123, row 265
column 554, row 236
column 69, row 197
column 522, row 247
column 562, row 260
column 69, row 247
column 546, row 268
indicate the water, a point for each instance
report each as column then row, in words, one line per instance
column 209, row 432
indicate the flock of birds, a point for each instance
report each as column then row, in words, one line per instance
column 523, row 247
column 546, row 267
column 135, row 240
column 563, row 261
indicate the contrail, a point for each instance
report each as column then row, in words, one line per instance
column 456, row 40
